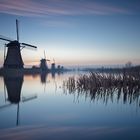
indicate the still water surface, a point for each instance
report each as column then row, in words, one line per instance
column 36, row 100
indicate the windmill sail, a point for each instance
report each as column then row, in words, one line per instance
column 13, row 58
column 17, row 30
column 29, row 45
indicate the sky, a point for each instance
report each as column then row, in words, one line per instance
column 74, row 32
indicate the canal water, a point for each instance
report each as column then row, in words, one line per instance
column 42, row 100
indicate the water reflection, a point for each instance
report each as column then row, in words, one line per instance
column 13, row 85
column 12, row 92
column 52, row 107
column 43, row 77
column 106, row 94
column 53, row 75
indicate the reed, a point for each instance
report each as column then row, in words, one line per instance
column 102, row 85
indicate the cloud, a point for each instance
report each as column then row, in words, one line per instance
column 58, row 8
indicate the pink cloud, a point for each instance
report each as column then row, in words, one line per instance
column 57, row 8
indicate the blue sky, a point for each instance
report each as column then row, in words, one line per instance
column 75, row 32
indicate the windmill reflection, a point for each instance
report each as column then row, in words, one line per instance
column 46, row 77
column 53, row 74
column 43, row 77
column 12, row 90
column 13, row 86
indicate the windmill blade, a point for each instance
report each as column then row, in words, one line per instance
column 29, row 45
column 5, row 106
column 24, row 99
column 17, row 30
column 5, row 52
column 5, row 38
column 44, row 54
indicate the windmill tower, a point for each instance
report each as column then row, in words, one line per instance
column 53, row 66
column 13, row 58
column 43, row 63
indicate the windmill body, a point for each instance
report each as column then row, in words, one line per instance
column 53, row 67
column 43, row 64
column 13, row 58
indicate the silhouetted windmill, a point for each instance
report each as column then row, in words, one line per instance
column 53, row 66
column 43, row 63
column 13, row 57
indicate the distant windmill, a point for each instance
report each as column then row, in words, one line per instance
column 13, row 57
column 53, row 66
column 43, row 63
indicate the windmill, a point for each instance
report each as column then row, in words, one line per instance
column 13, row 58
column 53, row 66
column 43, row 63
